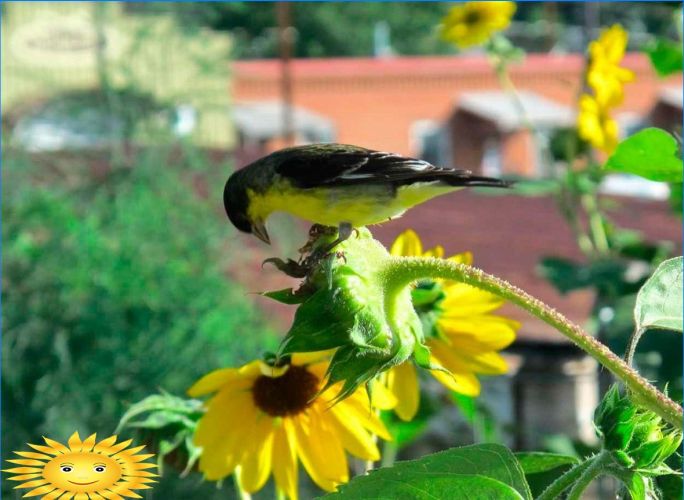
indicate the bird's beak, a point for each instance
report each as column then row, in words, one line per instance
column 259, row 230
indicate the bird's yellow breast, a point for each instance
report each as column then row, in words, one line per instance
column 359, row 205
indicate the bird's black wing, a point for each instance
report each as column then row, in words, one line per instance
column 342, row 165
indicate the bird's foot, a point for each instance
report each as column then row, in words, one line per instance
column 343, row 233
column 290, row 267
column 316, row 231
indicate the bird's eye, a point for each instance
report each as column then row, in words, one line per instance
column 99, row 468
column 66, row 468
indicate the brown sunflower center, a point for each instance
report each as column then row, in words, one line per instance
column 472, row 17
column 289, row 394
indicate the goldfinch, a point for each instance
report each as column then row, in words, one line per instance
column 337, row 185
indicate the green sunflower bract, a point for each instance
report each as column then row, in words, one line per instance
column 347, row 304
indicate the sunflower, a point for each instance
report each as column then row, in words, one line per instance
column 473, row 23
column 264, row 419
column 83, row 470
column 462, row 334
column 595, row 125
column 605, row 75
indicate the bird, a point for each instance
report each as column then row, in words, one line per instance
column 338, row 185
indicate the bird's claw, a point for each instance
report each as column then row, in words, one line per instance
column 289, row 267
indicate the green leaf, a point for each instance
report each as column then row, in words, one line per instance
column 286, row 296
column 160, row 419
column 651, row 153
column 422, row 486
column 567, row 275
column 659, row 302
column 475, row 472
column 537, row 461
column 666, row 56
column 166, row 404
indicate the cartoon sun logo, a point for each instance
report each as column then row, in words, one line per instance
column 85, row 470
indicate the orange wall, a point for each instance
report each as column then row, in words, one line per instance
column 373, row 102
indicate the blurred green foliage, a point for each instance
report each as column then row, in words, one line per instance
column 114, row 286
column 338, row 29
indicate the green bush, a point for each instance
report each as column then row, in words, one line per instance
column 112, row 290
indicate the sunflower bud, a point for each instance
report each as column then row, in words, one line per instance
column 345, row 304
column 637, row 437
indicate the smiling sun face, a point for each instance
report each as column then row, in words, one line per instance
column 82, row 472
column 85, row 468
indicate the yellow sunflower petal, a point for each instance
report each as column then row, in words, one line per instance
column 355, row 439
column 485, row 363
column 462, row 258
column 402, row 380
column 222, row 432
column 463, row 383
column 382, row 398
column 320, row 451
column 285, row 459
column 407, row 244
column 478, row 333
column 466, row 300
column 255, row 466
column 461, row 379
column 359, row 410
column 308, row 358
column 213, row 381
column 437, row 252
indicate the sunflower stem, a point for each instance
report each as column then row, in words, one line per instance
column 597, row 465
column 555, row 489
column 370, row 464
column 389, row 453
column 402, row 271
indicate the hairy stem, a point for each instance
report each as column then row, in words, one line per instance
column 401, row 271
column 555, row 489
column 632, row 344
column 597, row 465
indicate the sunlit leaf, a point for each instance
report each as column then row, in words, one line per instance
column 651, row 153
column 475, row 472
column 666, row 56
column 659, row 302
column 425, row 486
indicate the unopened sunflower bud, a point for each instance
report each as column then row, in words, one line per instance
column 348, row 307
column 637, row 437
